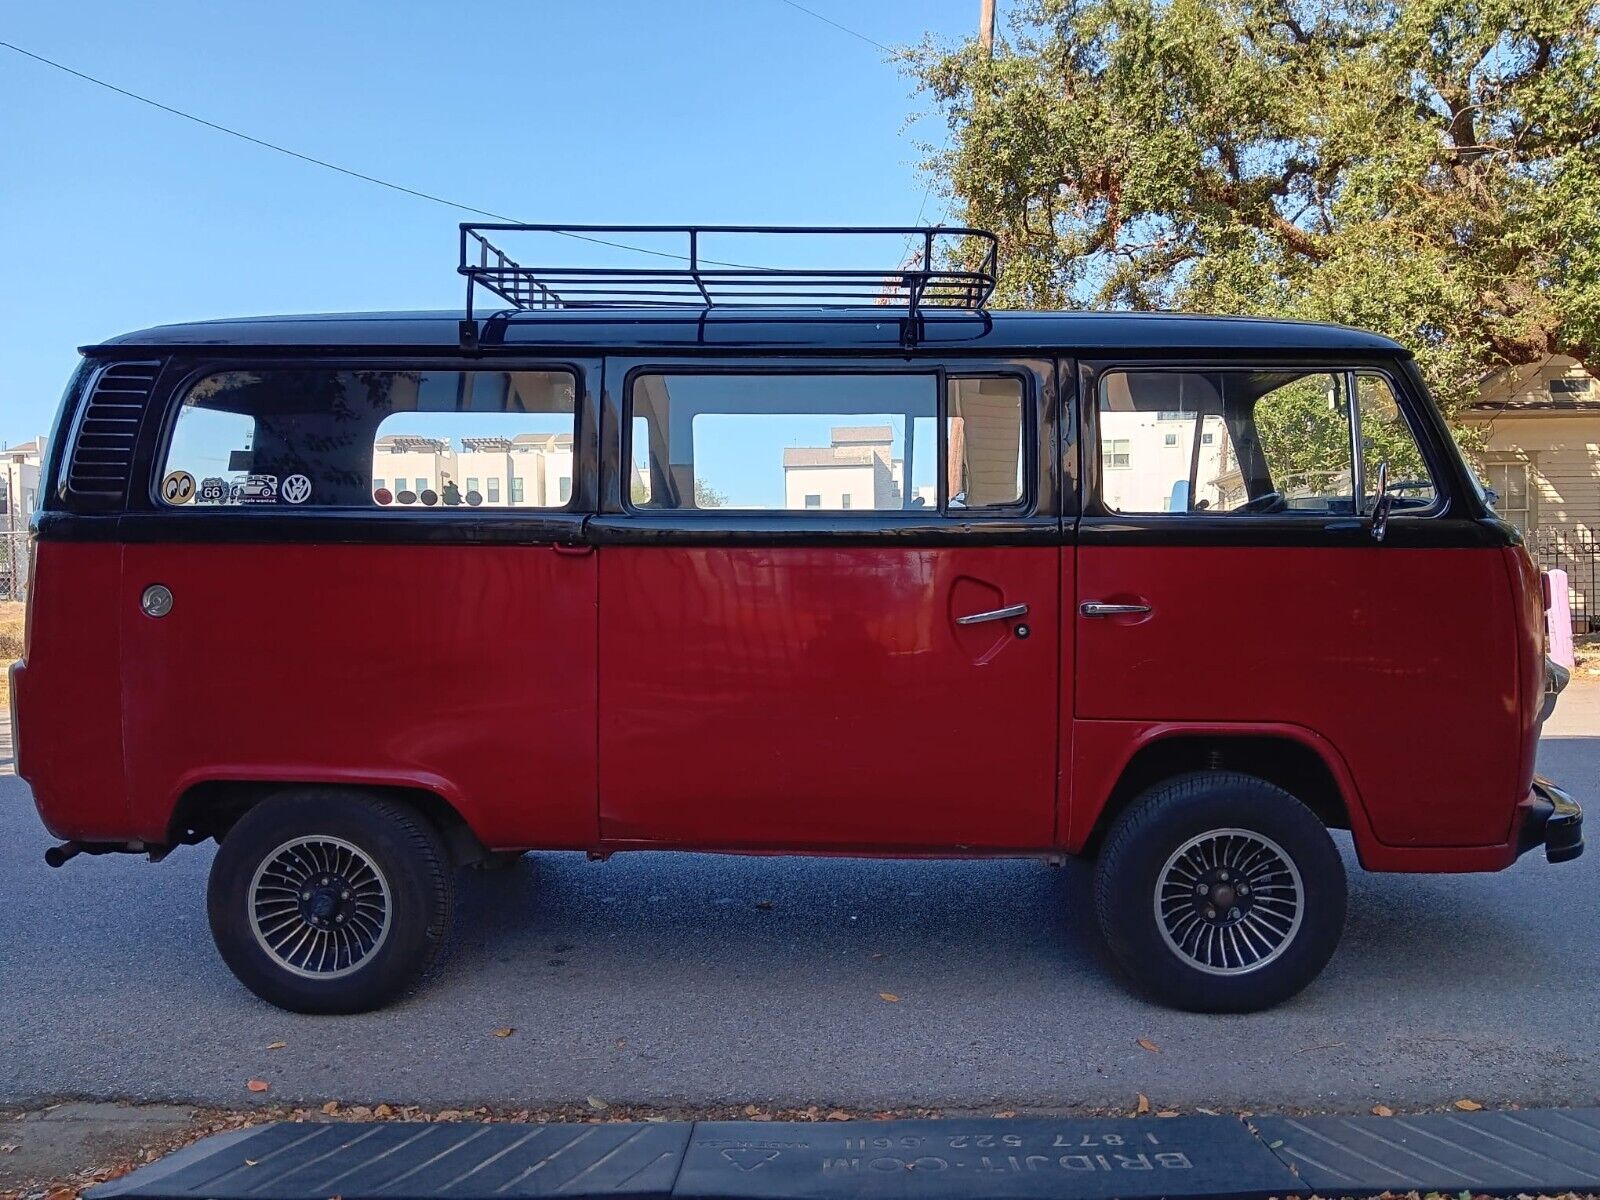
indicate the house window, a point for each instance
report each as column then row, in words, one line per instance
column 516, row 489
column 844, row 501
column 472, row 484
column 376, row 484
column 1570, row 386
column 1170, row 439
column 1512, row 494
column 1207, row 438
column 422, row 485
column 813, row 500
column 494, row 491
column 1119, row 453
column 566, row 488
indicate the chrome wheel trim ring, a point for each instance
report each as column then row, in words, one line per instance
column 297, row 875
column 1266, row 926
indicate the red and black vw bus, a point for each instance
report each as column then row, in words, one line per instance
column 648, row 559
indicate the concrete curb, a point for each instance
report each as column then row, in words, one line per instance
column 1533, row 1151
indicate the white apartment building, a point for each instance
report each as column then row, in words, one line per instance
column 532, row 469
column 856, row 470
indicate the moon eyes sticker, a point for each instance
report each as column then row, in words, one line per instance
column 177, row 487
column 296, row 489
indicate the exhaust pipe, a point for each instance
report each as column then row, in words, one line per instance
column 57, row 856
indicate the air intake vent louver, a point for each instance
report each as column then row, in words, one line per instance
column 102, row 456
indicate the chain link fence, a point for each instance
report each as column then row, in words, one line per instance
column 13, row 565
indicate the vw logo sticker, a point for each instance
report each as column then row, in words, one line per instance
column 296, row 489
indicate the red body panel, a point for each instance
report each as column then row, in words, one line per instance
column 812, row 698
column 1403, row 660
column 68, row 701
column 466, row 670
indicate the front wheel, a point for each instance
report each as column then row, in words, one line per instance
column 1220, row 892
column 329, row 901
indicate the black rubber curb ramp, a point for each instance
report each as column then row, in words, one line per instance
column 958, row 1159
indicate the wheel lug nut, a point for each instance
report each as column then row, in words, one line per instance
column 344, row 895
column 305, row 895
column 1200, row 889
column 1244, row 890
column 1233, row 914
column 1211, row 914
column 1223, row 876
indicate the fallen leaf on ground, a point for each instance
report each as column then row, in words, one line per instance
column 1468, row 1105
column 258, row 1085
column 889, row 997
column 838, row 1114
column 383, row 1110
column 1210, row 1112
column 621, row 1043
column 331, row 1107
column 277, row 1045
column 750, row 1110
column 1147, row 1044
column 1144, row 1103
column 1167, row 1112
column 1382, row 1110
column 1004, row 1116
column 447, row 1114
column 597, row 1104
column 504, row 1031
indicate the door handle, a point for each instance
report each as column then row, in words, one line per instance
column 994, row 614
column 1094, row 608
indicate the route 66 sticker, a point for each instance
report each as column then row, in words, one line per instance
column 177, row 487
column 295, row 489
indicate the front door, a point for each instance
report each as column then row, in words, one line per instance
column 829, row 607
column 1228, row 576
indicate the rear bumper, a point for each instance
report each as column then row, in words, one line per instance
column 1552, row 819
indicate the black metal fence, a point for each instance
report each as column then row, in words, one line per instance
column 1574, row 549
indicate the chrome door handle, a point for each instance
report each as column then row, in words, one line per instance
column 1093, row 608
column 994, row 614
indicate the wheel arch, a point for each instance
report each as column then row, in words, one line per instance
column 208, row 808
column 1294, row 759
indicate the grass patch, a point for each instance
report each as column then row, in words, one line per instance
column 12, row 618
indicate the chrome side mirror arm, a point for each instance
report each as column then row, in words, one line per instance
column 1381, row 504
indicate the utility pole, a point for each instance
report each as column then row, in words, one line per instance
column 986, row 27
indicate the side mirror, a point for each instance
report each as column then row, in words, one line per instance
column 1382, row 504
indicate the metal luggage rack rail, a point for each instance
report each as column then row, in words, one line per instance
column 696, row 281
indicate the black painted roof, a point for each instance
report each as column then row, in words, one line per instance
column 765, row 329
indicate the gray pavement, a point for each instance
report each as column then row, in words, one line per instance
column 667, row 979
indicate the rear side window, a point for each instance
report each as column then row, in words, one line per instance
column 1259, row 442
column 361, row 439
column 820, row 443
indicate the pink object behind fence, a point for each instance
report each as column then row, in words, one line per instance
column 1560, row 619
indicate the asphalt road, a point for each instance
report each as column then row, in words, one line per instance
column 663, row 979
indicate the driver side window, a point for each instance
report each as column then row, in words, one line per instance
column 1257, row 442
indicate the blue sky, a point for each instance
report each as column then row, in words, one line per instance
column 114, row 216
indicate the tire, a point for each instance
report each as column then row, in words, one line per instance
column 1188, row 831
column 348, row 945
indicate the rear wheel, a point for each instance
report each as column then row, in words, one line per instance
column 329, row 901
column 1220, row 892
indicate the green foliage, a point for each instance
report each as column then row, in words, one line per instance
column 1428, row 170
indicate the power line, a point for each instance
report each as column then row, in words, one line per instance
column 842, row 28
column 331, row 166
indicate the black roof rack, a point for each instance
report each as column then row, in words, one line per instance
column 693, row 280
